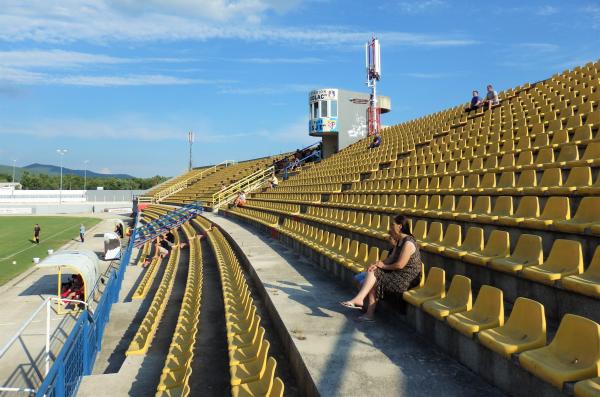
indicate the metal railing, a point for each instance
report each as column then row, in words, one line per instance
column 170, row 220
column 315, row 154
column 246, row 184
column 163, row 194
column 77, row 356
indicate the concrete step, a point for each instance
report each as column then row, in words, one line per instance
column 327, row 349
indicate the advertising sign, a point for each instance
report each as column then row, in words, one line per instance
column 325, row 94
column 323, row 124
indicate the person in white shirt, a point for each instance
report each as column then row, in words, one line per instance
column 491, row 98
column 274, row 181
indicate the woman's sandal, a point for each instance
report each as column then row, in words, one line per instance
column 350, row 305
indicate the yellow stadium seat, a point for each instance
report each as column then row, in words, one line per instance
column 487, row 312
column 586, row 216
column 252, row 370
column 573, row 354
column 591, row 155
column 578, row 177
column 565, row 259
column 529, row 207
column 588, row 388
column 434, row 236
column 497, row 246
column 457, row 299
column 588, row 282
column 528, row 252
column 502, row 208
column 420, row 230
column 483, row 205
column 544, row 158
column 473, row 242
column 433, row 288
column 556, row 209
column 568, row 154
column 582, row 134
column 452, row 239
column 465, row 205
column 260, row 387
column 524, row 330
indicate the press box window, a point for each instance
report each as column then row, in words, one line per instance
column 315, row 110
column 333, row 108
column 323, row 108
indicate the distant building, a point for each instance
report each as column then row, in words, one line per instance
column 10, row 186
column 340, row 117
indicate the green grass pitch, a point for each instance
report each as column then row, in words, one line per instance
column 17, row 249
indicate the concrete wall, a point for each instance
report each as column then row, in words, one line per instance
column 66, row 196
column 123, row 207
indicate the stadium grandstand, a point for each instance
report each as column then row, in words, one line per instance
column 504, row 206
column 469, row 238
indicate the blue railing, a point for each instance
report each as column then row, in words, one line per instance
column 78, row 354
column 316, row 154
column 167, row 221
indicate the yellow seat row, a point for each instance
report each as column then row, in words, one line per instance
column 252, row 370
column 145, row 333
column 177, row 369
column 262, row 217
column 349, row 253
column 578, row 181
column 564, row 262
column 573, row 354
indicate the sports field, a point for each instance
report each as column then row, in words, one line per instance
column 17, row 249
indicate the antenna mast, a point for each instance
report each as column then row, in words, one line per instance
column 373, row 65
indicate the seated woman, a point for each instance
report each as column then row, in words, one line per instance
column 74, row 290
column 397, row 273
column 240, row 201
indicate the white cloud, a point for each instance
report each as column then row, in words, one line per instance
column 593, row 12
column 141, row 128
column 302, row 60
column 420, row 75
column 269, row 90
column 547, row 10
column 31, row 67
column 57, row 58
column 54, row 59
column 128, row 80
column 125, row 127
column 539, row 47
column 416, row 7
column 103, row 21
column 25, row 77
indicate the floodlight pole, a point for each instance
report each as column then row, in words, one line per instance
column 61, row 153
column 85, row 163
column 191, row 142
column 14, row 165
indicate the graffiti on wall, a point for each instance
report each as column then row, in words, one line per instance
column 359, row 126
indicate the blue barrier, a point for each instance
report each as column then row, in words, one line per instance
column 78, row 354
column 316, row 154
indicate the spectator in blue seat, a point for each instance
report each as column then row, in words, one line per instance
column 397, row 273
column 376, row 141
column 476, row 102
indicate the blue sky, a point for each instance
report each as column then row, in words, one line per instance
column 120, row 82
